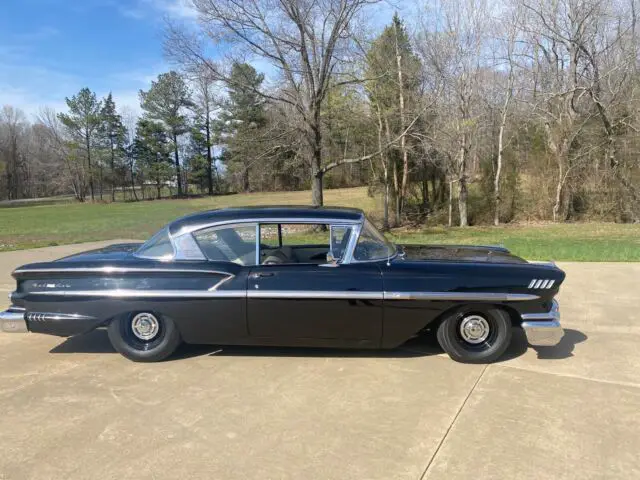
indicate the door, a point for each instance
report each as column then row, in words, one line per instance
column 307, row 304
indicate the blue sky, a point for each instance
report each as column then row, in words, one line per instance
column 49, row 49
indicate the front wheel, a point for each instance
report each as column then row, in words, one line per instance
column 144, row 336
column 475, row 335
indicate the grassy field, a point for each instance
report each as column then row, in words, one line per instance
column 37, row 226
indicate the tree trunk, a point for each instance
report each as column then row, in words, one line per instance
column 451, row 204
column 113, row 175
column 316, row 187
column 393, row 166
column 496, row 180
column 384, row 160
column 246, row 186
column 396, row 187
column 101, row 179
column 88, row 143
column 462, row 184
column 316, row 161
column 559, row 190
column 209, row 156
column 503, row 124
column 403, row 141
column 177, row 160
column 425, row 189
column 133, row 182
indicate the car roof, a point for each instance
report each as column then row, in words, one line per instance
column 277, row 213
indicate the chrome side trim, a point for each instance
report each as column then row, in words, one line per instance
column 44, row 317
column 109, row 270
column 217, row 285
column 464, row 296
column 303, row 294
column 296, row 294
column 12, row 321
column 145, row 293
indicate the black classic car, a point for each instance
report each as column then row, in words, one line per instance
column 288, row 276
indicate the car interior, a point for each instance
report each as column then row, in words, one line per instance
column 279, row 244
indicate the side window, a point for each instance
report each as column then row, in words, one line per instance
column 232, row 243
column 158, row 247
column 301, row 242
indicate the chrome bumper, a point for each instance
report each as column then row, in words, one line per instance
column 543, row 329
column 12, row 321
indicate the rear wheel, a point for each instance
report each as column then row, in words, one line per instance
column 144, row 336
column 475, row 334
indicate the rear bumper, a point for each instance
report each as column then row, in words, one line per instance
column 543, row 329
column 12, row 321
column 18, row 320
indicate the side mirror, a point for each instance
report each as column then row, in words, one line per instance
column 331, row 259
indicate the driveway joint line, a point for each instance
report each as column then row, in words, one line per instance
column 453, row 422
column 578, row 377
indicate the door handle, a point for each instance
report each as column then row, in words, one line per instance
column 261, row 274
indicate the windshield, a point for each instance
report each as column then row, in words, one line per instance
column 372, row 245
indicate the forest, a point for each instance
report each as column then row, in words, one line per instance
column 467, row 112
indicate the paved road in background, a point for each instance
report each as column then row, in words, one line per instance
column 75, row 409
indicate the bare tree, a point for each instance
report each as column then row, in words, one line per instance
column 13, row 126
column 72, row 158
column 306, row 42
column 452, row 46
column 205, row 103
column 508, row 23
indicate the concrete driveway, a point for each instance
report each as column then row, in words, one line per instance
column 74, row 409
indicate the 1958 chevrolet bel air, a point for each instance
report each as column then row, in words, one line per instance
column 288, row 276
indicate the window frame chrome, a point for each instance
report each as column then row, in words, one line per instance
column 356, row 226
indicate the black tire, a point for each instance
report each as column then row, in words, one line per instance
column 489, row 350
column 163, row 344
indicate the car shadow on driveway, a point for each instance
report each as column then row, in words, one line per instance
column 562, row 350
column 98, row 342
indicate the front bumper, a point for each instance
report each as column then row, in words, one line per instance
column 13, row 321
column 543, row 329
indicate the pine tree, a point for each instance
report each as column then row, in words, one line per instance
column 113, row 135
column 83, row 122
column 151, row 149
column 243, row 115
column 166, row 102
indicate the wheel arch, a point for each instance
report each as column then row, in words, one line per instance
column 512, row 312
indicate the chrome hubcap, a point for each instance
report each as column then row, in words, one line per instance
column 474, row 329
column 145, row 326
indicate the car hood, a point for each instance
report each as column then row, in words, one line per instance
column 458, row 253
column 118, row 251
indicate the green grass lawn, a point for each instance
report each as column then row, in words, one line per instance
column 37, row 226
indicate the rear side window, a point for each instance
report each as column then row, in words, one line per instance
column 158, row 247
column 231, row 243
